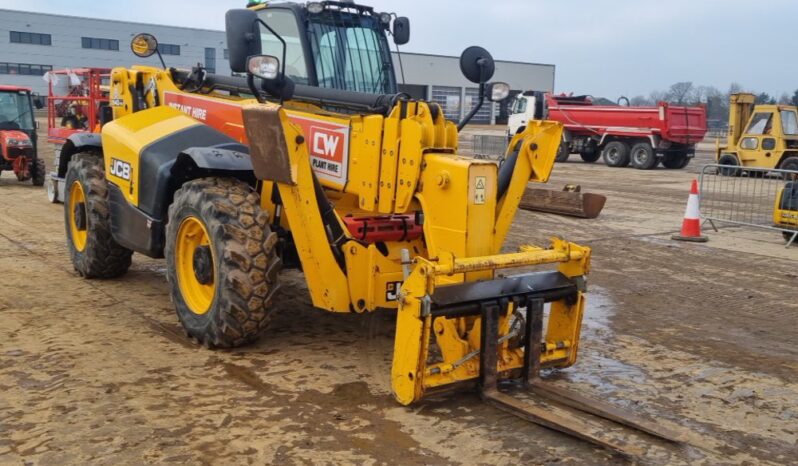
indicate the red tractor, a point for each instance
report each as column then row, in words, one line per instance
column 18, row 135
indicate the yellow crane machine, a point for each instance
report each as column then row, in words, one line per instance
column 309, row 158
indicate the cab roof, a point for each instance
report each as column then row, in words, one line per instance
column 6, row 88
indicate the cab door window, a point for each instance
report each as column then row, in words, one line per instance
column 789, row 123
column 761, row 123
column 284, row 23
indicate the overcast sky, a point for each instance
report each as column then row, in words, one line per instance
column 601, row 47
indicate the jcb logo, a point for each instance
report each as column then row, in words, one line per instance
column 392, row 291
column 325, row 144
column 120, row 169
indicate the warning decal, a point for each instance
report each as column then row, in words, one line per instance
column 480, row 189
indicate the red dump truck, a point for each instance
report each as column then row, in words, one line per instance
column 640, row 136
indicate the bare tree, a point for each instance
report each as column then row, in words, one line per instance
column 658, row 96
column 681, row 93
column 640, row 101
column 785, row 99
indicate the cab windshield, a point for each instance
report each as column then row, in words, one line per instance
column 15, row 110
column 349, row 51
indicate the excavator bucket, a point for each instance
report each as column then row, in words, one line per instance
column 571, row 201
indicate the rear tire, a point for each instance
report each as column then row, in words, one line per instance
column 563, row 152
column 616, row 154
column 590, row 157
column 732, row 165
column 643, row 156
column 93, row 250
column 222, row 264
column 39, row 172
column 790, row 163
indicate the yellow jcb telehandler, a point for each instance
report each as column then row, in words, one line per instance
column 311, row 159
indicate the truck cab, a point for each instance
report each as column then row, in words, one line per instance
column 527, row 106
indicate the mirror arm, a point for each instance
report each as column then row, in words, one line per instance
column 285, row 49
column 481, row 101
column 254, row 89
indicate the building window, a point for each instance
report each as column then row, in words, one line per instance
column 210, row 60
column 449, row 100
column 100, row 44
column 25, row 69
column 226, row 54
column 31, row 38
column 471, row 100
column 169, row 49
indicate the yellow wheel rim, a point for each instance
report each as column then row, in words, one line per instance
column 198, row 295
column 77, row 200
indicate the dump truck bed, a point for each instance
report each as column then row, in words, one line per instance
column 675, row 123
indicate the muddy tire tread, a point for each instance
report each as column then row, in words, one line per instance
column 246, row 261
column 103, row 257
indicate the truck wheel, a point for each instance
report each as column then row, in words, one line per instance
column 222, row 264
column 563, row 152
column 93, row 250
column 675, row 160
column 731, row 167
column 643, row 156
column 787, row 235
column 790, row 163
column 590, row 157
column 616, row 154
column 39, row 171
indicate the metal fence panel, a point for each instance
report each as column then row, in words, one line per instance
column 488, row 146
column 749, row 196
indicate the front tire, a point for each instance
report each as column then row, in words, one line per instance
column 643, row 156
column 39, row 172
column 731, row 165
column 616, row 154
column 222, row 264
column 93, row 250
column 563, row 152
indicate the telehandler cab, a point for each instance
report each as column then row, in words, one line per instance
column 313, row 160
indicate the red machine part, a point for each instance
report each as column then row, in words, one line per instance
column 384, row 228
column 21, row 167
column 88, row 97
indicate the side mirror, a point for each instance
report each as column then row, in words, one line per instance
column 477, row 65
column 144, row 45
column 401, row 30
column 243, row 38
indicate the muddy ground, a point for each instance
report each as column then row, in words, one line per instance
column 701, row 336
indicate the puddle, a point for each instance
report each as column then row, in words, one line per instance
column 593, row 367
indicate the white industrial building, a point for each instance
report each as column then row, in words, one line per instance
column 34, row 43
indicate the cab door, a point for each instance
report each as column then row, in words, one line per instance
column 759, row 144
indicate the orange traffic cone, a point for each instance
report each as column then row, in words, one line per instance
column 691, row 226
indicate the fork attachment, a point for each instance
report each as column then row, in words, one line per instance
column 574, row 426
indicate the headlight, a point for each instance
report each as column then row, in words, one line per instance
column 264, row 66
column 499, row 91
column 315, row 7
column 12, row 142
